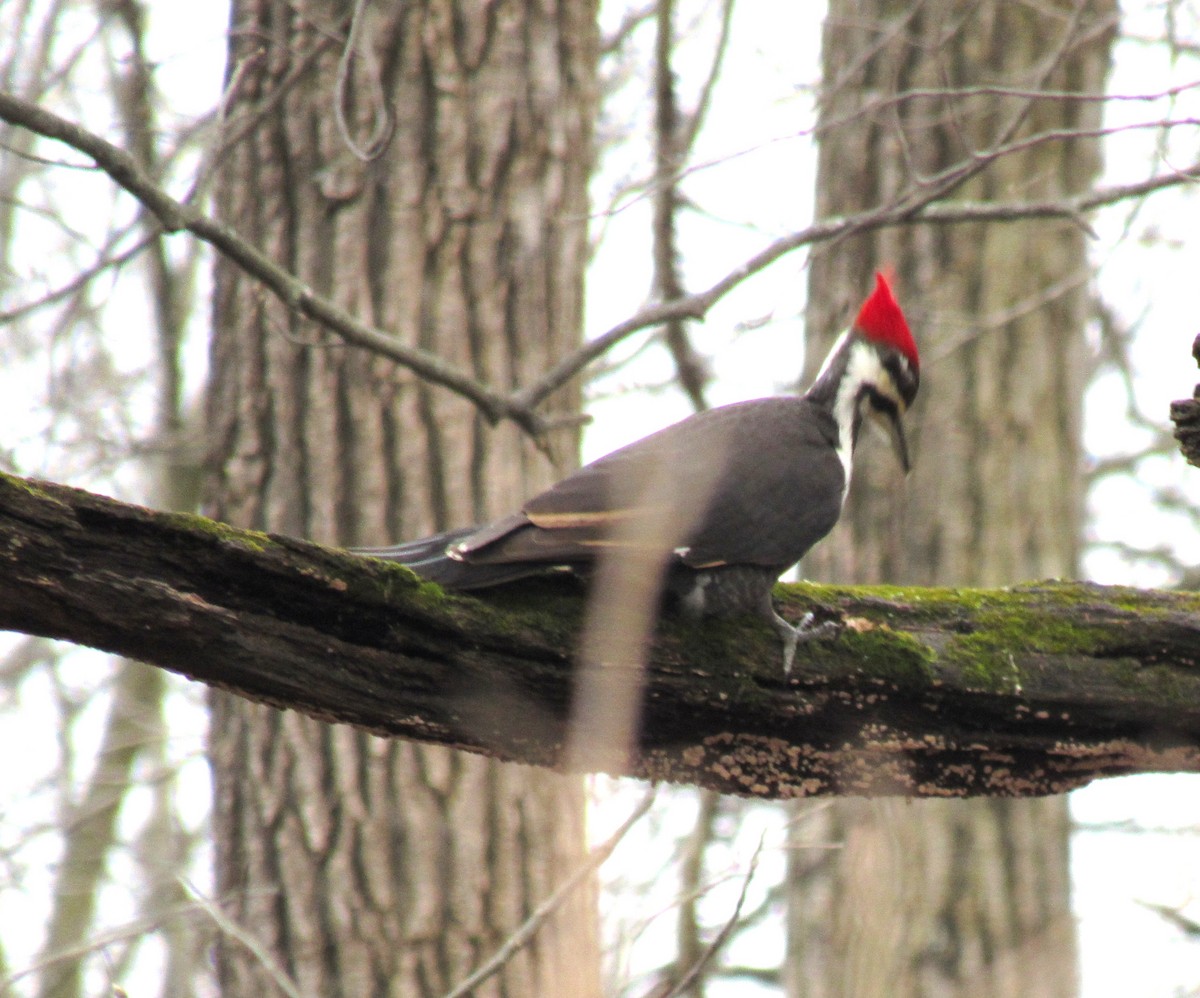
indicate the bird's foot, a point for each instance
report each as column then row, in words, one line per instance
column 803, row 631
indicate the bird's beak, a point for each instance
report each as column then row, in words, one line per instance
column 895, row 430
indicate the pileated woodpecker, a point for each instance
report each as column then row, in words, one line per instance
column 754, row 485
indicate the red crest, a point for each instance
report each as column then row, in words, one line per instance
column 881, row 320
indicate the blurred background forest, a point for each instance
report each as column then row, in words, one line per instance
column 721, row 133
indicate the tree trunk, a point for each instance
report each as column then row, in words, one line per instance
column 365, row 866
column 955, row 898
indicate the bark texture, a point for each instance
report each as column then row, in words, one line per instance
column 950, row 898
column 922, row 692
column 1185, row 414
column 368, row 867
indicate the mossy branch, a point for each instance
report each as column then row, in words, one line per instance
column 923, row 692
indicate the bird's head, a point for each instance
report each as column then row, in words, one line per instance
column 873, row 370
column 893, row 373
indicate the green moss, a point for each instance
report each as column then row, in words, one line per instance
column 253, row 540
column 906, row 636
column 551, row 605
column 719, row 644
column 981, row 631
column 982, row 664
column 26, row 486
column 875, row 652
column 1025, row 621
column 887, row 604
column 377, row 580
column 429, row 592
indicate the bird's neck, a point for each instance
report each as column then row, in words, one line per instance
column 840, row 386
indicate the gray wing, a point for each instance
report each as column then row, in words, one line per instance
column 758, row 481
column 780, row 493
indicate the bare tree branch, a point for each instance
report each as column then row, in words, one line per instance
column 710, row 951
column 247, row 938
column 1188, row 926
column 919, row 205
column 384, row 123
column 924, row 692
column 105, row 260
column 529, row 928
column 175, row 216
column 697, row 304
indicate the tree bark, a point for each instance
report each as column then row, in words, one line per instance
column 1185, row 414
column 923, row 692
column 366, row 866
column 946, row 898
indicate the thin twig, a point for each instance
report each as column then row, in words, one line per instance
column 895, row 102
column 295, row 293
column 385, row 123
column 691, row 873
column 1174, row 916
column 688, row 979
column 521, row 937
column 81, row 280
column 905, row 209
column 915, row 207
column 705, row 99
column 227, row 925
column 135, row 929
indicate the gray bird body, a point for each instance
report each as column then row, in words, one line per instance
column 740, row 492
column 749, row 527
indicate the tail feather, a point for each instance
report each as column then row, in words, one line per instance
column 415, row 552
column 428, row 558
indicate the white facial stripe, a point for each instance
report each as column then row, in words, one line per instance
column 833, row 352
column 863, row 367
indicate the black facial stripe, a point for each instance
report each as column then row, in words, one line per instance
column 905, row 378
column 879, row 401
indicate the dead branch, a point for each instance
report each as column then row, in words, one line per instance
column 924, row 692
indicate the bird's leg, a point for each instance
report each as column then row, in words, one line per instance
column 794, row 634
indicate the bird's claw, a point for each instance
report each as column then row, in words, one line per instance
column 803, row 631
